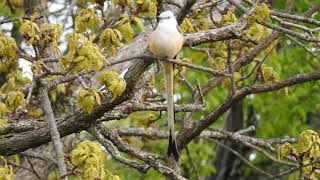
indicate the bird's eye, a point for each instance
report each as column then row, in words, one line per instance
column 159, row 18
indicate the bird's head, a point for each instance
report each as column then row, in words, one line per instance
column 166, row 16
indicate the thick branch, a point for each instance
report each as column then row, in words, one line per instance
column 218, row 34
column 81, row 120
column 123, row 110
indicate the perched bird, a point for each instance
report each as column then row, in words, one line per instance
column 166, row 41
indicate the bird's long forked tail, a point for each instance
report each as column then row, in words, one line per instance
column 168, row 75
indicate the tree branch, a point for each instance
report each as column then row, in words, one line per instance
column 187, row 135
column 115, row 153
column 52, row 126
column 151, row 159
column 181, row 63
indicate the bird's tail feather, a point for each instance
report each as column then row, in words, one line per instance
column 168, row 74
column 172, row 147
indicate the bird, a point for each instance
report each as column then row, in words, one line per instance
column 166, row 41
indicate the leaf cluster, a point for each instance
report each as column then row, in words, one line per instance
column 29, row 31
column 14, row 100
column 8, row 48
column 14, row 80
column 111, row 38
column 46, row 34
column 50, row 33
column 306, row 150
column 122, row 3
column 186, row 26
column 260, row 13
column 59, row 90
column 6, row 171
column 147, row 7
column 88, row 98
column 87, row 19
column 126, row 26
column 198, row 20
column 228, row 19
column 89, row 157
column 17, row 3
column 113, row 82
column 83, row 54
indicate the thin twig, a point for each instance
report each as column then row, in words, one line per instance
column 185, row 81
column 295, row 17
column 246, row 130
column 283, row 173
column 302, row 45
column 194, row 168
column 292, row 33
column 69, row 12
column 199, row 90
column 285, row 23
column 231, row 71
column 22, row 167
column 187, row 135
column 244, row 159
column 116, row 154
column 31, row 165
column 258, row 65
column 33, row 83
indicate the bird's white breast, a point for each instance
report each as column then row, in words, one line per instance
column 165, row 40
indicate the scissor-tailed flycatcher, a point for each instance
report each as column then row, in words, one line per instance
column 167, row 41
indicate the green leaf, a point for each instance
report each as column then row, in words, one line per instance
column 88, row 98
column 284, row 150
column 314, row 151
column 114, row 83
column 89, row 156
column 127, row 32
column 137, row 21
column 3, row 124
column 261, row 12
column 14, row 100
column 3, row 109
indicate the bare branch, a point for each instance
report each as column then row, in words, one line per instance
column 55, row 136
column 213, row 35
column 277, row 28
column 32, row 167
column 23, row 167
column 152, row 57
column 151, row 159
column 243, row 159
column 188, row 134
column 231, row 71
column 115, row 153
column 295, row 17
